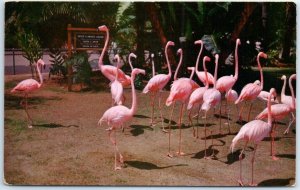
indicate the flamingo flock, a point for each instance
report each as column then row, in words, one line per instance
column 190, row 95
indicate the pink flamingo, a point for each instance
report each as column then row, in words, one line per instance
column 252, row 90
column 27, row 86
column 279, row 111
column 109, row 71
column 157, row 83
column 231, row 96
column 131, row 55
column 116, row 87
column 226, row 83
column 201, row 74
column 117, row 115
column 289, row 101
column 196, row 98
column 254, row 131
column 153, row 66
column 263, row 96
column 211, row 98
column 181, row 90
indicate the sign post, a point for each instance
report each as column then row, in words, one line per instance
column 82, row 39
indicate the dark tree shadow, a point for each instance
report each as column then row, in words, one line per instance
column 294, row 131
column 148, row 166
column 172, row 121
column 14, row 101
column 216, row 136
column 279, row 123
column 276, row 182
column 241, row 122
column 141, row 116
column 276, row 138
column 202, row 124
column 53, row 125
column 234, row 157
column 289, row 156
column 139, row 129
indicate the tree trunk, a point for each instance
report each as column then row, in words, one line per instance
column 155, row 21
column 288, row 34
column 247, row 12
column 140, row 25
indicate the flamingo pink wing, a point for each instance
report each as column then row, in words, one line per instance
column 26, row 86
column 158, row 82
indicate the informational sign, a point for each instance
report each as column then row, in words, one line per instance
column 89, row 40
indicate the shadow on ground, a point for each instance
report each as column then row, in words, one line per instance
column 53, row 125
column 148, row 166
column 276, row 182
column 139, row 129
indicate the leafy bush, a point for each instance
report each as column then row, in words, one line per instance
column 57, row 63
column 82, row 68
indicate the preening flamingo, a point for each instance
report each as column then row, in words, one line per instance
column 109, row 71
column 201, row 74
column 254, row 131
column 28, row 85
column 181, row 90
column 289, row 101
column 252, row 90
column 279, row 111
column 116, row 87
column 211, row 97
column 117, row 115
column 157, row 83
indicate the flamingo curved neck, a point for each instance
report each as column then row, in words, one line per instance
column 39, row 73
column 292, row 91
column 168, row 62
column 129, row 61
column 206, row 76
column 100, row 62
column 178, row 66
column 283, row 88
column 216, row 72
column 133, row 106
column 198, row 58
column 261, row 73
column 153, row 69
column 269, row 107
column 236, row 72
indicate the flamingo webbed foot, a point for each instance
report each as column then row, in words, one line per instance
column 170, row 155
column 275, row 158
column 240, row 182
column 180, row 153
column 29, row 126
column 118, row 168
column 253, row 184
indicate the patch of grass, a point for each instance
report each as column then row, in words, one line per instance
column 17, row 126
column 10, row 85
column 56, row 89
column 120, row 181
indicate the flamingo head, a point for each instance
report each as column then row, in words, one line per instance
column 191, row 68
column 179, row 51
column 283, row 77
column 152, row 55
column 198, row 42
column 262, row 54
column 206, row 59
column 102, row 28
column 238, row 41
column 170, row 43
column 272, row 93
column 136, row 71
column 132, row 55
column 216, row 58
column 40, row 61
column 257, row 82
column 117, row 57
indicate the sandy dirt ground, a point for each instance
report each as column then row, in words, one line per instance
column 67, row 147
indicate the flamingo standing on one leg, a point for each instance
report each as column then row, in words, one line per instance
column 157, row 83
column 109, row 71
column 279, row 111
column 27, row 86
column 117, row 115
column 116, row 87
column 181, row 90
column 252, row 90
column 211, row 98
column 254, row 131
column 201, row 74
column 289, row 101
column 226, row 83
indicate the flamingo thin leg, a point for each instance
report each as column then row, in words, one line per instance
column 29, row 120
column 250, row 111
column 180, row 123
column 292, row 119
column 252, row 163
column 240, row 159
column 161, row 116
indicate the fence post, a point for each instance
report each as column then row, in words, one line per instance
column 14, row 64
